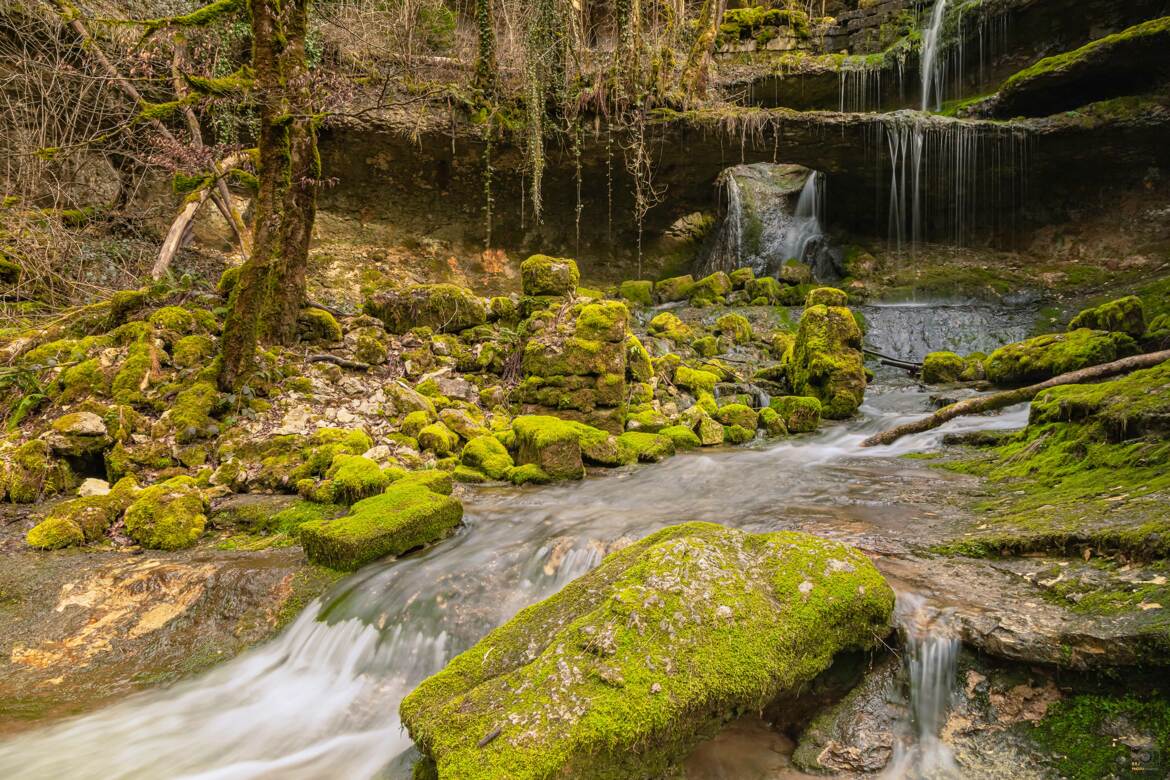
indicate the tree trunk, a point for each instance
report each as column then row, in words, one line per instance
column 271, row 286
column 987, row 403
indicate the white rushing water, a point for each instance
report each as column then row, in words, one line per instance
column 932, row 68
column 321, row 700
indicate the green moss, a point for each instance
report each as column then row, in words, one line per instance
column 800, row 414
column 738, row 619
column 544, row 275
column 1043, row 357
column 133, row 375
column 942, row 368
column 529, row 473
column 55, row 532
column 488, row 455
column 710, row 289
column 826, row 296
column 647, row 420
column 354, row 477
column 318, row 325
column 695, row 380
column 640, row 292
column 603, row 321
column 707, row 346
column 825, row 361
column 167, row 516
column 676, row 288
column 765, row 290
column 668, row 326
column 682, row 437
column 445, row 308
column 190, row 415
column 738, row 414
column 86, row 378
column 772, row 423
column 1093, row 736
column 416, row 421
column 439, row 439
column 370, row 349
column 649, row 447
column 551, row 443
column 738, row 434
column 1124, row 315
column 192, row 351
column 227, row 281
column 736, row 327
column 639, row 366
column 406, row 516
column 30, row 473
column 174, row 319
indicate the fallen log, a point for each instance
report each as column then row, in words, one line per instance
column 988, row 403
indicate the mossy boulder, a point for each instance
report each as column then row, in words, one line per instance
column 93, row 515
column 942, row 368
column 764, row 291
column 801, row 414
column 741, row 277
column 407, row 515
column 87, row 378
column 352, row 478
column 174, row 320
column 710, row 289
column 826, row 296
column 78, row 434
column 695, row 380
column 190, row 415
column 649, row 447
column 668, row 326
column 1044, row 357
column 529, row 473
column 192, row 351
column 445, row 308
column 825, row 360
column 682, row 437
column 30, row 472
column 639, row 366
column 772, row 423
column 738, row 414
column 551, row 443
column 134, row 374
column 647, row 421
column 1124, row 315
column 54, row 533
column 603, row 321
column 735, row 327
column 639, row 292
column 738, row 434
column 709, row 431
column 578, row 686
column 707, row 346
column 167, row 516
column 674, row 289
column 487, row 455
column 438, row 439
column 315, row 324
column 544, row 275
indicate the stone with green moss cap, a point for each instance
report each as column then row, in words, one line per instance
column 315, row 324
column 167, row 516
column 710, row 289
column 738, row 414
column 942, row 367
column 29, row 473
column 825, row 359
column 649, row 447
column 445, row 308
column 1043, row 357
column 682, row 437
column 638, row 363
column 602, row 321
column 740, row 278
column 735, row 327
column 826, row 296
column 695, row 380
column 352, row 478
column 763, row 291
column 544, row 275
column 487, row 455
column 667, row 325
column 800, row 414
column 439, row 439
column 408, row 515
column 637, row 291
column 577, row 686
column 674, row 289
column 1124, row 315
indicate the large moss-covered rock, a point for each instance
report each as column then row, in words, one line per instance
column 445, row 308
column 738, row 414
column 676, row 288
column 78, row 434
column 167, row 516
column 409, row 514
column 710, row 289
column 1124, row 315
column 649, row 447
column 560, row 447
column 1044, row 357
column 29, row 473
column 352, row 478
column 315, row 324
column 544, row 275
column 735, row 327
column 487, row 455
column 825, row 360
column 627, row 668
column 639, row 292
column 91, row 515
column 942, row 367
column 667, row 325
column 800, row 414
column 694, row 379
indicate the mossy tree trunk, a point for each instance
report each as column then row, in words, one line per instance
column 271, row 286
column 485, row 64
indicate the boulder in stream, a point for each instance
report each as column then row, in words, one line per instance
column 825, row 360
column 627, row 668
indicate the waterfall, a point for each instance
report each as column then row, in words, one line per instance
column 761, row 230
column 931, row 655
column 860, row 88
column 949, row 178
column 932, row 67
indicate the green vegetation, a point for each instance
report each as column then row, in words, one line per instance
column 544, row 275
column 1044, row 357
column 1093, row 736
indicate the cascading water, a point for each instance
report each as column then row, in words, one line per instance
column 931, row 652
column 933, row 71
column 762, row 231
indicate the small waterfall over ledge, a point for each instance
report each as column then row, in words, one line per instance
column 772, row 214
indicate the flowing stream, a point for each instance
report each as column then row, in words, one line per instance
column 321, row 699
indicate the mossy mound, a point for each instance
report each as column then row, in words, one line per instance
column 352, row 478
column 764, row 291
column 674, row 289
column 445, row 308
column 544, row 275
column 54, row 533
column 682, row 437
column 315, row 324
column 710, row 289
column 668, row 326
column 639, row 292
column 487, row 455
column 407, row 515
column 577, row 685
column 1124, row 315
column 91, row 515
column 167, row 516
column 695, row 380
column 638, row 363
column 1093, row 735
column 649, row 447
column 800, row 414
column 735, row 327
column 826, row 296
column 942, row 368
column 1043, row 357
column 438, row 439
column 29, row 473
column 825, row 360
column 738, row 414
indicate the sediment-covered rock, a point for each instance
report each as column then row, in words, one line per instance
column 623, row 671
